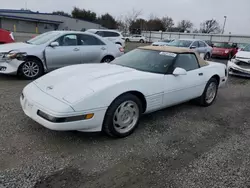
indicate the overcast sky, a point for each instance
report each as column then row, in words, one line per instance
column 237, row 12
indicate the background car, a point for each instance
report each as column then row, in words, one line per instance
column 196, row 44
column 239, row 65
column 224, row 50
column 6, row 36
column 112, row 35
column 209, row 42
column 163, row 42
column 135, row 38
column 53, row 50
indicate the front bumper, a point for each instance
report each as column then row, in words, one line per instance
column 10, row 67
column 33, row 100
column 236, row 70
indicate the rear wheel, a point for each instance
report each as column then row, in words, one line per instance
column 31, row 69
column 141, row 41
column 209, row 93
column 122, row 116
column 107, row 59
column 207, row 56
column 127, row 40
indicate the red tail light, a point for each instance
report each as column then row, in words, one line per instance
column 121, row 49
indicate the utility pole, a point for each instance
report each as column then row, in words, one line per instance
column 225, row 20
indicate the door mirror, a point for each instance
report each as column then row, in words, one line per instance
column 54, row 44
column 192, row 47
column 179, row 71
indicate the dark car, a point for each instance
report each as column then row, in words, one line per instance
column 6, row 36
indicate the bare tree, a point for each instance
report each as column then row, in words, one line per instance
column 183, row 25
column 210, row 26
column 167, row 22
column 196, row 31
column 132, row 16
column 121, row 24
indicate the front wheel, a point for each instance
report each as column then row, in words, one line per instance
column 207, row 56
column 209, row 93
column 31, row 69
column 141, row 41
column 122, row 116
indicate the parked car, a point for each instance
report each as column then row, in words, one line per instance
column 163, row 42
column 6, row 36
column 112, row 35
column 53, row 50
column 135, row 38
column 224, row 50
column 196, row 44
column 113, row 96
column 209, row 42
column 239, row 65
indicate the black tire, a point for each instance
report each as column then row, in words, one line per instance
column 127, row 40
column 108, row 124
column 207, row 56
column 37, row 64
column 202, row 99
column 141, row 41
column 119, row 43
column 107, row 59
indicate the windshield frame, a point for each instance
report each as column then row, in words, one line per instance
column 168, row 70
column 248, row 47
column 54, row 35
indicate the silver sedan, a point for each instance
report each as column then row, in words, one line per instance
column 53, row 50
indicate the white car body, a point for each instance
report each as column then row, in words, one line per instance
column 56, row 57
column 112, row 35
column 136, row 38
column 91, row 88
column 240, row 64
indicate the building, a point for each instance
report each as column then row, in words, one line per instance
column 27, row 21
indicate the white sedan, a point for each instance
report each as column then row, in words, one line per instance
column 111, row 97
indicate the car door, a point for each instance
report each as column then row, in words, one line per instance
column 202, row 47
column 195, row 46
column 92, row 49
column 182, row 88
column 67, row 53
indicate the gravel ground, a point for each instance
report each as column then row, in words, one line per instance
column 183, row 146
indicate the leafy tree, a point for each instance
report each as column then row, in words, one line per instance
column 107, row 21
column 61, row 13
column 210, row 26
column 155, row 25
column 137, row 26
column 183, row 25
column 167, row 22
column 84, row 14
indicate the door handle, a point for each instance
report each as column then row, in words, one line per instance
column 76, row 49
column 200, row 74
column 103, row 48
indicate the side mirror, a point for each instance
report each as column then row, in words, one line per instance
column 179, row 71
column 192, row 47
column 54, row 44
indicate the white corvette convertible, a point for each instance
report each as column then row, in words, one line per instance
column 111, row 97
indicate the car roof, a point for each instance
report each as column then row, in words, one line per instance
column 103, row 30
column 175, row 50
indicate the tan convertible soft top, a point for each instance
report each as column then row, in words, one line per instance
column 176, row 50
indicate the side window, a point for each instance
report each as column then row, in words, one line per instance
column 187, row 62
column 195, row 43
column 110, row 34
column 67, row 40
column 202, row 44
column 100, row 33
column 88, row 40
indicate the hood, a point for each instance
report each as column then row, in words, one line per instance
column 74, row 82
column 243, row 56
column 14, row 46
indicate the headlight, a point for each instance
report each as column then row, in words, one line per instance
column 16, row 55
column 226, row 51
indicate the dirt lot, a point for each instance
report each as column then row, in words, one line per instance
column 180, row 147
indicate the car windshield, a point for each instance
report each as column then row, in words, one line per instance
column 180, row 43
column 247, row 48
column 166, row 40
column 222, row 45
column 43, row 38
column 146, row 60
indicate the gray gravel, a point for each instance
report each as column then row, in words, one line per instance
column 183, row 146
